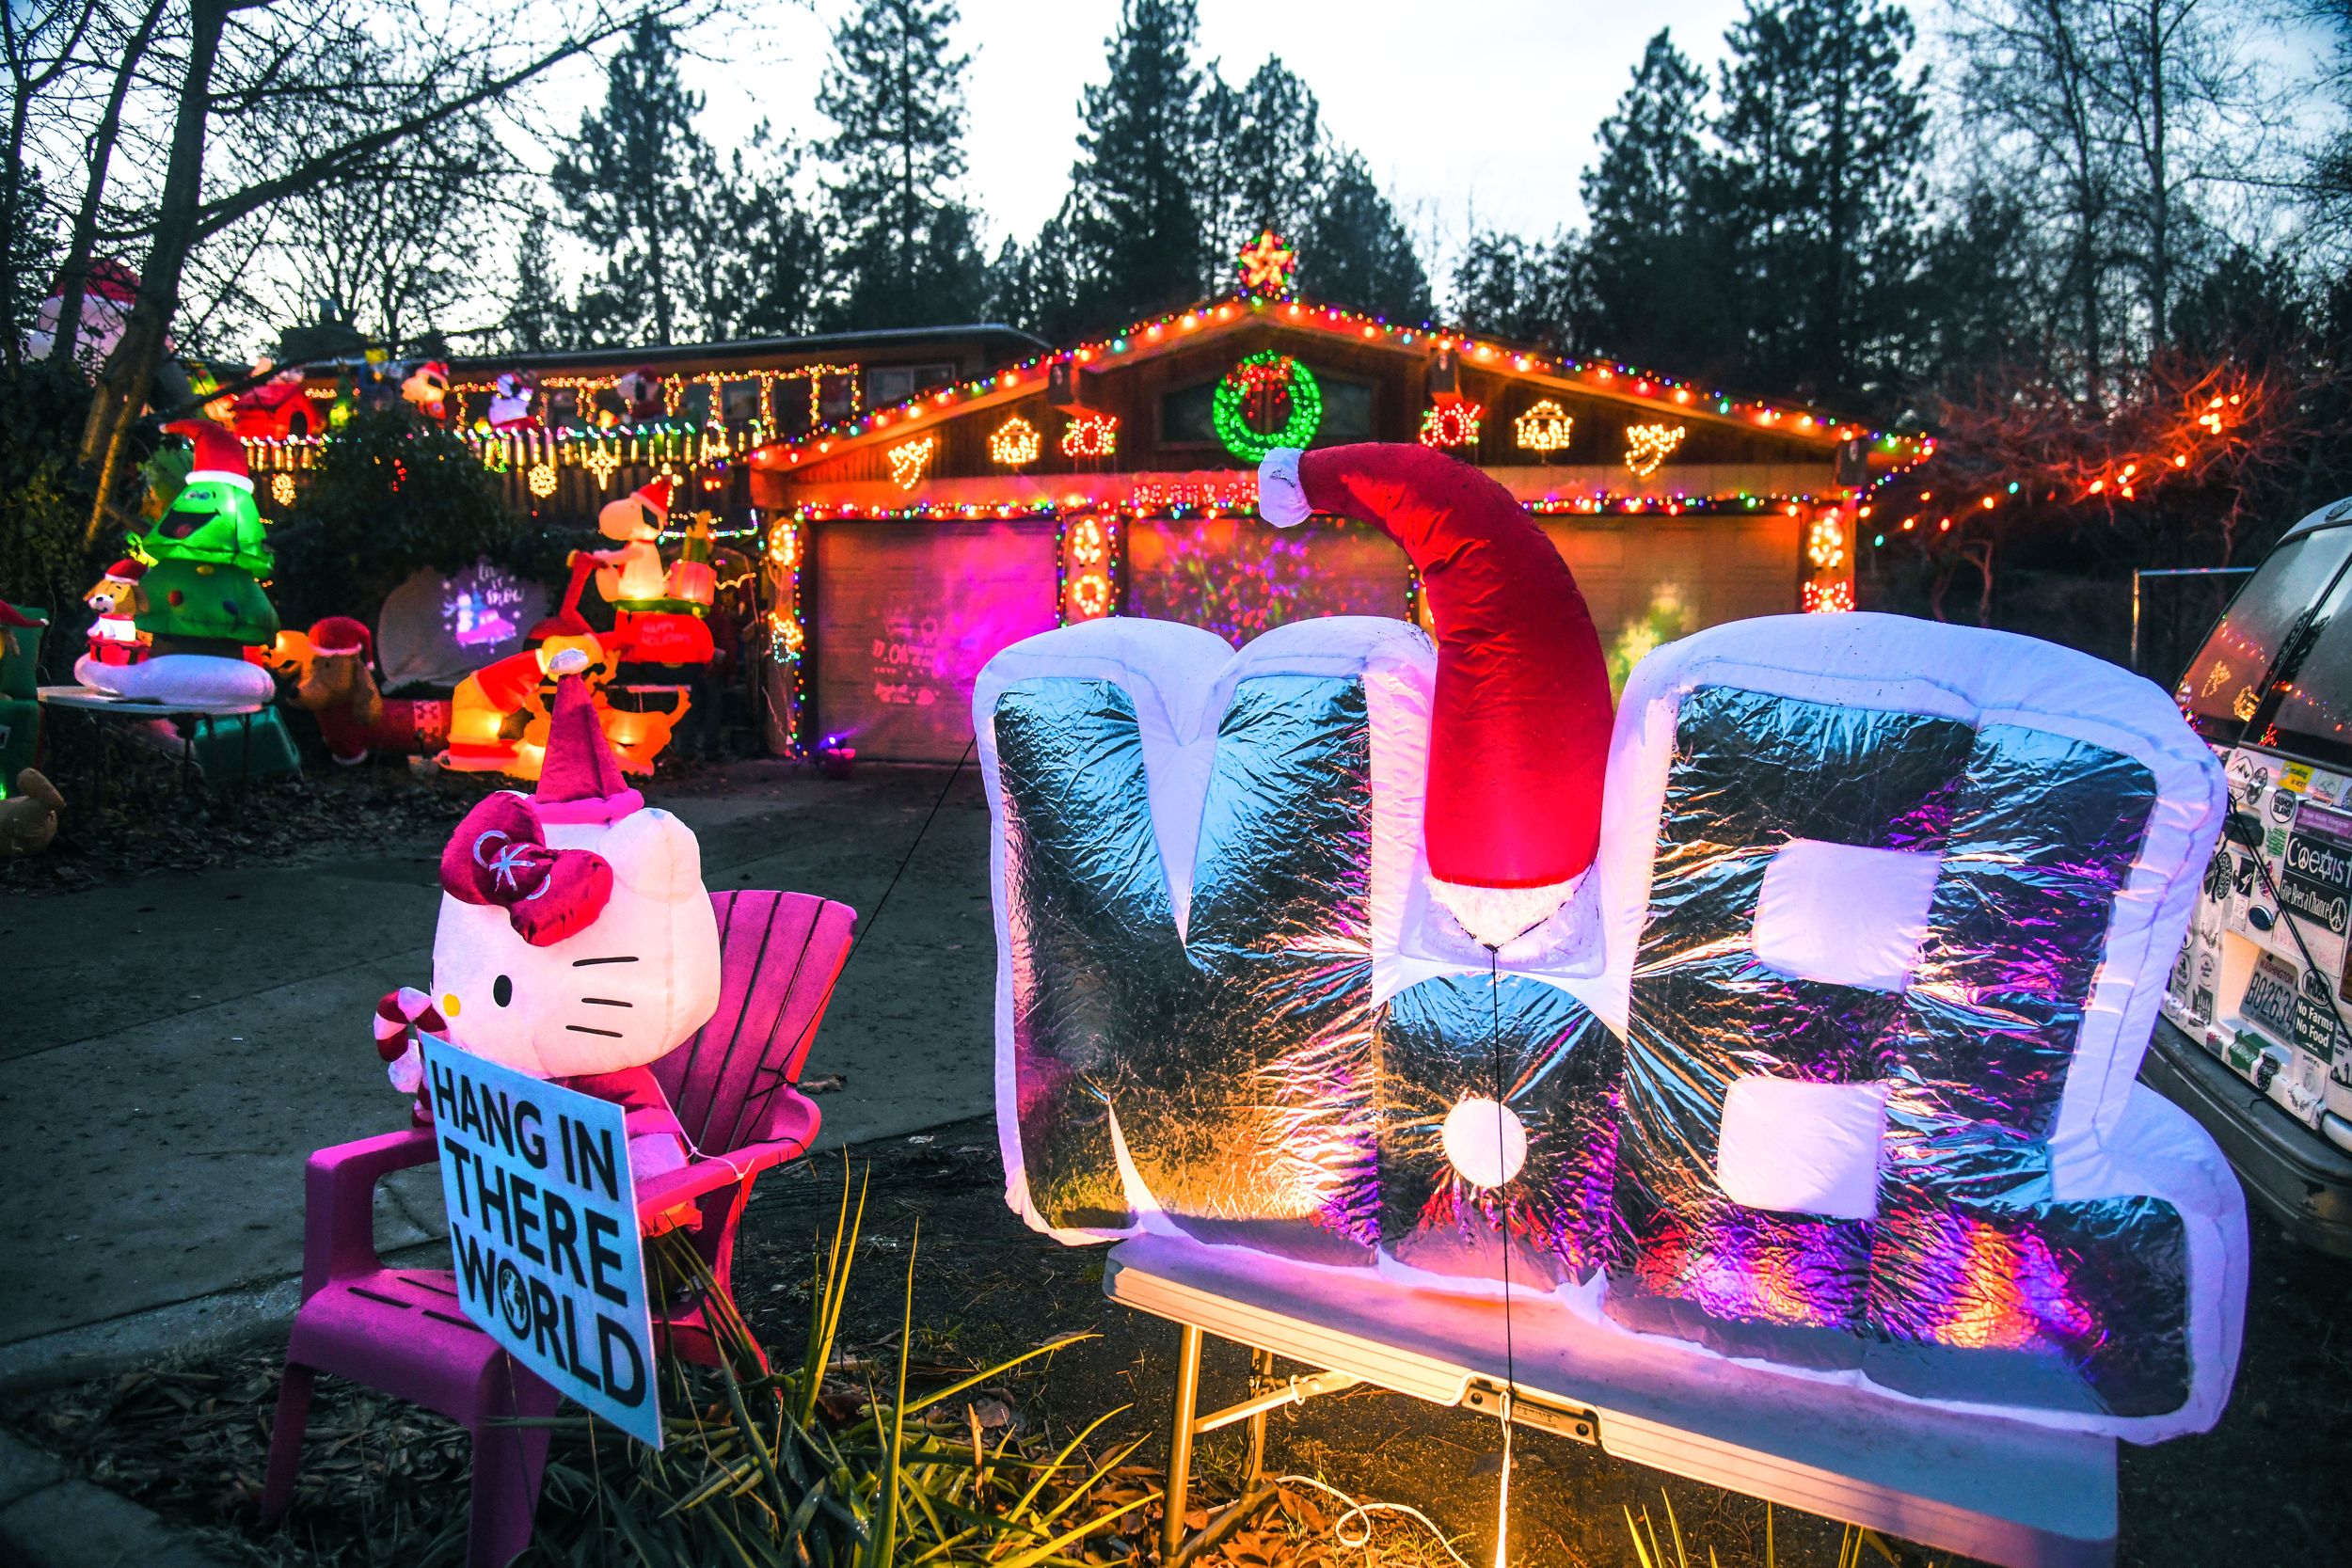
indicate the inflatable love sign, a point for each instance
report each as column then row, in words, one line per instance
column 1826, row 1062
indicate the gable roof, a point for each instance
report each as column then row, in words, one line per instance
column 1635, row 388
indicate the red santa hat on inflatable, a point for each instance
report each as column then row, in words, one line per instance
column 219, row 455
column 341, row 634
column 1519, row 739
column 125, row 570
column 642, row 513
column 580, row 778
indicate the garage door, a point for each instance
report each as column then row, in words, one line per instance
column 1239, row 576
column 906, row 615
column 1650, row 580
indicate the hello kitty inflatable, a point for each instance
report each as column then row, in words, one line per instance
column 576, row 941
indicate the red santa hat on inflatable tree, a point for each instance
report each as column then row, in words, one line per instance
column 1519, row 738
column 580, row 778
column 219, row 455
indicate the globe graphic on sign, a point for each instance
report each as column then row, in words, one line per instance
column 514, row 1300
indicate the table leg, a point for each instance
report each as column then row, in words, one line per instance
column 1261, row 1381
column 245, row 766
column 97, row 753
column 1179, row 1441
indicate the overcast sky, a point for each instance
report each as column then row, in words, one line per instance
column 1466, row 108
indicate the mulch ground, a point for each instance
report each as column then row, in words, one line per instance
column 379, row 1478
column 151, row 819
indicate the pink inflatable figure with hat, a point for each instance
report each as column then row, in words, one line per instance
column 576, row 941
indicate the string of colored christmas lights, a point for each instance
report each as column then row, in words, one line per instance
column 1240, row 500
column 1616, row 377
column 2207, row 421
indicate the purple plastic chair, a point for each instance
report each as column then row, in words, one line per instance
column 733, row 1087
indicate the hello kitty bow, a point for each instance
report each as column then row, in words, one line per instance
column 499, row 855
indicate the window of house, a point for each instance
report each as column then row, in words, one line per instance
column 889, row 384
column 740, row 401
column 1188, row 414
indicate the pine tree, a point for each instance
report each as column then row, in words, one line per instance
column 1136, row 220
column 1824, row 144
column 631, row 181
column 1526, row 292
column 538, row 319
column 895, row 91
column 1355, row 252
column 1263, row 165
column 1650, row 259
column 1034, row 287
column 767, row 269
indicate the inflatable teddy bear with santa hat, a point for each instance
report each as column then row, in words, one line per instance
column 576, row 942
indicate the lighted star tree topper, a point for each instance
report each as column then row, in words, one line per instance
column 1266, row 265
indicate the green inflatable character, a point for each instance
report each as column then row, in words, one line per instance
column 201, row 598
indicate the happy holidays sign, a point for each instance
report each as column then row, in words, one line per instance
column 543, row 1225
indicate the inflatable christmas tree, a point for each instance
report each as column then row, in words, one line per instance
column 201, row 604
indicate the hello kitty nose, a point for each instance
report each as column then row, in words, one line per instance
column 449, row 1004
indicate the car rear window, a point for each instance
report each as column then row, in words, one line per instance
column 2312, row 716
column 2223, row 686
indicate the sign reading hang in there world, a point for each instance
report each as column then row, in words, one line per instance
column 543, row 1225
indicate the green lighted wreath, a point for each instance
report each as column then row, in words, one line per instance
column 1306, row 399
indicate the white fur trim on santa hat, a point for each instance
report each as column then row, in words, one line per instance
column 1495, row 916
column 1281, row 501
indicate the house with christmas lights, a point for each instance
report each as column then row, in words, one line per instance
column 921, row 498
column 567, row 431
column 909, row 542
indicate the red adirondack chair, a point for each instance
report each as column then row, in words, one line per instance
column 733, row 1087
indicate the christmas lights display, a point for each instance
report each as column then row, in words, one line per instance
column 1016, row 444
column 1451, row 425
column 1616, row 378
column 603, row 462
column 1090, row 435
column 909, row 459
column 1266, row 265
column 1828, row 598
column 1088, row 590
column 1647, row 446
column 1825, row 541
column 1246, row 401
column 1544, row 428
column 541, row 480
column 281, row 489
column 2187, row 425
